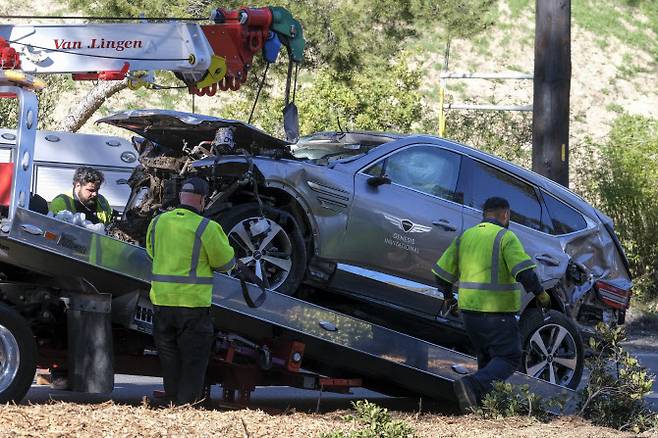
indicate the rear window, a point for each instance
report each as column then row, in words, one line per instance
column 563, row 218
column 485, row 181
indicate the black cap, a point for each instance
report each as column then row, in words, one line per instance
column 495, row 203
column 195, row 185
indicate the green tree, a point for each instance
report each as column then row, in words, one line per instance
column 48, row 99
column 377, row 98
column 502, row 133
column 623, row 181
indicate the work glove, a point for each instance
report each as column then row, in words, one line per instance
column 544, row 300
column 450, row 306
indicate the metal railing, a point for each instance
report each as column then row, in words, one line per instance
column 445, row 76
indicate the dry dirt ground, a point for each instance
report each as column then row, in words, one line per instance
column 108, row 419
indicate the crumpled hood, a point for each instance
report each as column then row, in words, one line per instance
column 173, row 129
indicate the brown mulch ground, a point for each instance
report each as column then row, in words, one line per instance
column 61, row 419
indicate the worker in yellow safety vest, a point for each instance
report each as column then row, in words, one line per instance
column 488, row 262
column 85, row 198
column 185, row 247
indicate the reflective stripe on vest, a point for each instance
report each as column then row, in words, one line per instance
column 445, row 274
column 494, row 285
column 494, row 301
column 196, row 252
column 526, row 264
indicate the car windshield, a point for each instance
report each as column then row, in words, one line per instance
column 326, row 148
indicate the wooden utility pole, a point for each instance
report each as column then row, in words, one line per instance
column 552, row 82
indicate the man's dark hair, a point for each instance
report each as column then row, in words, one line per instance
column 85, row 175
column 494, row 205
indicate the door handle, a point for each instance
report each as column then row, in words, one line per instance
column 547, row 260
column 445, row 225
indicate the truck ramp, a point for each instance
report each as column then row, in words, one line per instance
column 335, row 344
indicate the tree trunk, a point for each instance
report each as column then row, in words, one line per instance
column 79, row 114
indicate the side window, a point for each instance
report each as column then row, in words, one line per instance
column 427, row 169
column 485, row 181
column 376, row 170
column 564, row 218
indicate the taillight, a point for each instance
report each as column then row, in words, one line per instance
column 613, row 296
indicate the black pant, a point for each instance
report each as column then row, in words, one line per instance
column 497, row 342
column 183, row 337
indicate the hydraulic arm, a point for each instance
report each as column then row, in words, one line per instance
column 206, row 57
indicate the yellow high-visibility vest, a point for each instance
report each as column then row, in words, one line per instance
column 61, row 202
column 185, row 248
column 485, row 260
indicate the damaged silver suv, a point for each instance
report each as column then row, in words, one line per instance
column 362, row 217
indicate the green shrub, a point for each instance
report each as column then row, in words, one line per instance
column 623, row 182
column 507, row 400
column 374, row 422
column 614, row 395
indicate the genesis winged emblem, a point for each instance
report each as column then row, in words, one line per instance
column 406, row 225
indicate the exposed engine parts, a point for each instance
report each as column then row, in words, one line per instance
column 155, row 183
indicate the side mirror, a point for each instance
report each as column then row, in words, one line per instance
column 376, row 181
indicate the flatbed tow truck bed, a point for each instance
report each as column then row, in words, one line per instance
column 334, row 344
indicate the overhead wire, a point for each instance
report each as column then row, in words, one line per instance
column 260, row 87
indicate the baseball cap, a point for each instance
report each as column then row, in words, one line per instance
column 195, row 185
column 495, row 203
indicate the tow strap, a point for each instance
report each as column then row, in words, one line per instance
column 245, row 275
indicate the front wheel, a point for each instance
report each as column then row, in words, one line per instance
column 552, row 348
column 18, row 356
column 271, row 246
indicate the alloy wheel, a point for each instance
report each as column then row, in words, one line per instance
column 552, row 354
column 268, row 254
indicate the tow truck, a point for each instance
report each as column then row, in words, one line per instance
column 72, row 298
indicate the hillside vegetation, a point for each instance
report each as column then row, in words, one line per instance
column 614, row 57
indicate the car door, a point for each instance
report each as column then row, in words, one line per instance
column 529, row 221
column 397, row 230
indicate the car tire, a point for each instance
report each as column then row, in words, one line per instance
column 285, row 248
column 552, row 347
column 18, row 356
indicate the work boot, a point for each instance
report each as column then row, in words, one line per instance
column 466, row 394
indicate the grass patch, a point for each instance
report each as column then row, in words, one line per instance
column 621, row 20
column 518, row 6
column 615, row 108
column 456, row 87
